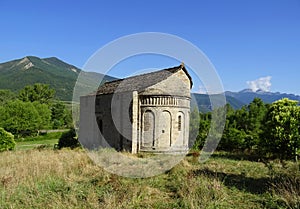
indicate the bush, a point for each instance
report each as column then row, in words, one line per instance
column 68, row 139
column 7, row 141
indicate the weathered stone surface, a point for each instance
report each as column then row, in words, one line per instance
column 152, row 118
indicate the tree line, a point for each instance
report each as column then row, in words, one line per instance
column 32, row 109
column 267, row 130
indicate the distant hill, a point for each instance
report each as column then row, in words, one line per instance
column 238, row 99
column 204, row 104
column 246, row 96
column 61, row 76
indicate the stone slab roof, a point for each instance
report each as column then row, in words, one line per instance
column 140, row 82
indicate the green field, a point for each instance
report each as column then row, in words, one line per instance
column 48, row 178
column 46, row 140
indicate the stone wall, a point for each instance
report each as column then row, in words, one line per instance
column 164, row 126
column 156, row 119
column 178, row 84
column 164, row 115
column 114, row 114
column 105, row 121
column 89, row 132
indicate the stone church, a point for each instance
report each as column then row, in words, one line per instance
column 143, row 113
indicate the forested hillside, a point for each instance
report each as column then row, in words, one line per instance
column 60, row 76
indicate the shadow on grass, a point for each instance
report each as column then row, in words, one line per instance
column 239, row 181
column 238, row 156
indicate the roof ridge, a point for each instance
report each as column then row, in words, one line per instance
column 143, row 74
column 157, row 71
column 141, row 81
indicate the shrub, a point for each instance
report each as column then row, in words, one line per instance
column 7, row 141
column 68, row 139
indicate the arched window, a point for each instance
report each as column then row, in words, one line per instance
column 179, row 122
column 148, row 120
column 148, row 129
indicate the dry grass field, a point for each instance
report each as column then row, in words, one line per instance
column 69, row 179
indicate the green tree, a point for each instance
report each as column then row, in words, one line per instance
column 209, row 129
column 233, row 139
column 234, row 134
column 38, row 92
column 241, row 119
column 281, row 130
column 60, row 115
column 194, row 127
column 216, row 128
column 20, row 118
column 44, row 114
column 257, row 112
column 7, row 141
column 6, row 96
column 243, row 127
column 199, row 128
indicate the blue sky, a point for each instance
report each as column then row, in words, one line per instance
column 244, row 39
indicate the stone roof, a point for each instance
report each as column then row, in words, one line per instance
column 140, row 82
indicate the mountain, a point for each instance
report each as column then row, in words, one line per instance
column 203, row 101
column 237, row 99
column 247, row 95
column 61, row 76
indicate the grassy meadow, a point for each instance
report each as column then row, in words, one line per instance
column 36, row 142
column 48, row 178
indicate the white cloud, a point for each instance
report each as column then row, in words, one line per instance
column 263, row 83
column 201, row 90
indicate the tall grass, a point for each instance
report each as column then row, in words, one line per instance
column 286, row 182
column 69, row 179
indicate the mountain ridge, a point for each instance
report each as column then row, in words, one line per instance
column 237, row 99
column 246, row 96
column 61, row 76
